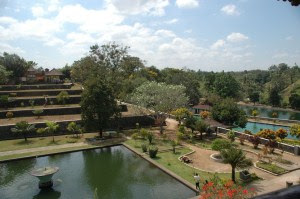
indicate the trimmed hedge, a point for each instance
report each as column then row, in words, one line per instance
column 124, row 123
column 38, row 93
column 36, row 87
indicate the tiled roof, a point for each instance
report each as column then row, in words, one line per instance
column 54, row 72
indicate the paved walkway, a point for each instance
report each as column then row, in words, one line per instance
column 39, row 149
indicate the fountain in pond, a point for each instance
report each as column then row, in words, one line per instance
column 45, row 176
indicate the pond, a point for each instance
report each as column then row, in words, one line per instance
column 255, row 127
column 116, row 172
column 267, row 112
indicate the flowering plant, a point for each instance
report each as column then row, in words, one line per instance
column 212, row 190
column 204, row 114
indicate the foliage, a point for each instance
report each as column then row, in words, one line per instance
column 144, row 133
column 271, row 144
column 220, row 144
column 181, row 129
column 51, row 128
column 9, row 115
column 38, row 112
column 62, row 97
column 144, row 147
column 181, row 113
column 294, row 100
column 24, row 128
column 74, row 128
column 150, row 137
column 231, row 135
column 228, row 112
column 281, row 133
column 66, row 71
column 254, row 96
column 248, row 132
column 274, row 96
column 255, row 140
column 153, row 151
column 226, row 85
column 255, row 113
column 159, row 97
column 267, row 134
column 201, row 127
column 213, row 190
column 293, row 2
column 174, row 143
column 4, row 99
column 204, row 114
column 190, row 122
column 236, row 158
column 242, row 138
column 31, row 102
column 4, row 75
column 295, row 130
column 98, row 104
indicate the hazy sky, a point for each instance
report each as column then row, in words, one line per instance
column 196, row 34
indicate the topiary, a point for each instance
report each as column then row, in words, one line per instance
column 153, row 151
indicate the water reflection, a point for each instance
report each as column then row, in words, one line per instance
column 47, row 194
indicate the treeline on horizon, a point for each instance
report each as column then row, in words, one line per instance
column 278, row 86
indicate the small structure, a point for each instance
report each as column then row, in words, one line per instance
column 45, row 176
column 201, row 107
column 53, row 76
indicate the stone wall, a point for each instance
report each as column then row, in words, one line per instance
column 38, row 93
column 124, row 123
column 36, row 87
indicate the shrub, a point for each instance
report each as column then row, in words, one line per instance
column 181, row 129
column 4, row 100
column 144, row 133
column 272, row 144
column 295, row 130
column 231, row 135
column 219, row 144
column 204, row 114
column 281, row 133
column 144, row 147
column 38, row 112
column 179, row 135
column 74, row 128
column 40, row 130
column 62, row 97
column 22, row 104
column 174, row 143
column 31, row 102
column 9, row 115
column 153, row 151
column 255, row 140
column 255, row 113
column 135, row 136
column 267, row 134
column 150, row 137
column 13, row 94
column 248, row 132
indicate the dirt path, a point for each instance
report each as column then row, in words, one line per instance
column 46, row 148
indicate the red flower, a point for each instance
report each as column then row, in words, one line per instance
column 245, row 191
column 230, row 193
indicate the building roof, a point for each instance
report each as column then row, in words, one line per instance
column 31, row 69
column 202, row 107
column 54, row 72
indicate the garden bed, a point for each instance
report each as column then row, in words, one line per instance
column 273, row 168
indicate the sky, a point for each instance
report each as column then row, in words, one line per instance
column 207, row 35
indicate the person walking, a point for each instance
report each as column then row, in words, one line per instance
column 197, row 181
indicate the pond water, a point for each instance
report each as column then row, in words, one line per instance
column 268, row 112
column 116, row 172
column 255, row 127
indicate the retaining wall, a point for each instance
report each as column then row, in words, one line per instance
column 35, row 86
column 275, row 120
column 28, row 93
column 124, row 123
column 280, row 146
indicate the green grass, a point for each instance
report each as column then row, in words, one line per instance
column 10, row 145
column 271, row 167
column 291, row 142
column 283, row 161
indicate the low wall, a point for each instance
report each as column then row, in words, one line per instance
column 275, row 120
column 38, row 93
column 40, row 101
column 123, row 123
column 280, row 146
column 36, row 86
column 50, row 111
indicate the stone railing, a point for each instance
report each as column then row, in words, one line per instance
column 280, row 145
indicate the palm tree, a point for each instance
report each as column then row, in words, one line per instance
column 24, row 128
column 51, row 128
column 201, row 127
column 236, row 158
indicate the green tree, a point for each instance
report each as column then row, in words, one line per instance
column 66, row 71
column 98, row 104
column 62, row 97
column 274, row 96
column 51, row 128
column 226, row 85
column 180, row 114
column 295, row 130
column 220, row 144
column 294, row 100
column 228, row 112
column 201, row 127
column 4, row 75
column 159, row 97
column 190, row 122
column 24, row 128
column 254, row 96
column 74, row 128
column 236, row 158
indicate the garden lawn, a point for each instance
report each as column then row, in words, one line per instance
column 171, row 162
column 271, row 167
column 10, row 145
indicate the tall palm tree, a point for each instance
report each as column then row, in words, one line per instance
column 51, row 128
column 236, row 158
column 24, row 128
